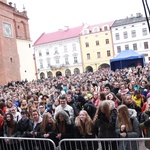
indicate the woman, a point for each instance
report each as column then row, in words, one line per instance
column 127, row 100
column 48, row 129
column 111, row 96
column 10, row 129
column 105, row 120
column 84, row 128
column 145, row 123
column 127, row 127
column 64, row 127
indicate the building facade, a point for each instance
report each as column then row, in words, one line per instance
column 96, row 46
column 58, row 53
column 14, row 36
column 132, row 33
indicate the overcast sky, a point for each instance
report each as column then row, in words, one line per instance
column 51, row 15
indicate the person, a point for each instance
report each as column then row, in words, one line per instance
column 24, row 125
column 64, row 128
column 64, row 106
column 145, row 123
column 15, row 113
column 105, row 121
column 48, row 130
column 84, row 128
column 138, row 98
column 10, row 129
column 127, row 127
column 87, row 105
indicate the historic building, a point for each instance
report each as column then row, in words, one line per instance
column 96, row 45
column 132, row 33
column 16, row 59
column 58, row 53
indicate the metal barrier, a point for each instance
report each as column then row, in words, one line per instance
column 104, row 144
column 19, row 143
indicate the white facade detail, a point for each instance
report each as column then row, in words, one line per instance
column 133, row 36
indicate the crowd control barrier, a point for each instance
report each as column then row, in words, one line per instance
column 104, row 144
column 18, row 143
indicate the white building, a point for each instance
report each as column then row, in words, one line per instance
column 132, row 33
column 58, row 53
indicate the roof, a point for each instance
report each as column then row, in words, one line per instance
column 126, row 54
column 66, row 34
column 110, row 23
column 129, row 20
column 58, row 35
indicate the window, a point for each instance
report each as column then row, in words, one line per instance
column 135, row 46
column 48, row 62
column 47, row 51
column 105, row 28
column 117, row 36
column 133, row 33
column 125, row 34
column 65, row 48
column 57, row 60
column 118, row 49
column 87, row 44
column 144, row 31
column 107, row 41
column 66, row 61
column 145, row 45
column 74, row 47
column 88, row 55
column 97, row 43
column 108, row 53
column 40, row 54
column 75, row 59
column 55, row 50
column 41, row 64
column 98, row 55
column 126, row 47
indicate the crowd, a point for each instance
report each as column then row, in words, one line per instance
column 101, row 104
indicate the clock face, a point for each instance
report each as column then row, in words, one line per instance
column 7, row 29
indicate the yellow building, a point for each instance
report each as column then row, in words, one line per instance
column 96, row 46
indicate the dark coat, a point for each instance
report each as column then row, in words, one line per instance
column 106, row 128
column 23, row 127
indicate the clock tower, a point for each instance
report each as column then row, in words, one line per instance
column 13, row 27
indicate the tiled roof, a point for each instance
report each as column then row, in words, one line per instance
column 66, row 34
column 59, row 35
column 110, row 23
column 127, row 21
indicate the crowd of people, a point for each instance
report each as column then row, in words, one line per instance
column 101, row 104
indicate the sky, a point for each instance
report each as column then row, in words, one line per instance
column 51, row 15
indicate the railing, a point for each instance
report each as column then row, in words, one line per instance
column 18, row 143
column 104, row 144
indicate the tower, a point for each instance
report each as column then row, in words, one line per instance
column 13, row 27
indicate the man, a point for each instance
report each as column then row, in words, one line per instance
column 64, row 106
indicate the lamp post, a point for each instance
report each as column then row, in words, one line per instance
column 146, row 9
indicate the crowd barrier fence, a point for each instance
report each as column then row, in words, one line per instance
column 18, row 143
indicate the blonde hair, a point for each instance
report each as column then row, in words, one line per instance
column 88, row 124
column 45, row 121
column 123, row 117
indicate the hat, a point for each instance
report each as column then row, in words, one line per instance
column 90, row 95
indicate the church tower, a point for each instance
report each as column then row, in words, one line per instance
column 13, row 27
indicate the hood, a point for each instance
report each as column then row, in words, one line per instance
column 132, row 113
column 65, row 114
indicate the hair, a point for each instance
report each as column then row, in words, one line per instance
column 123, row 117
column 105, row 108
column 88, row 124
column 45, row 122
column 102, row 96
